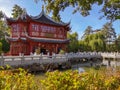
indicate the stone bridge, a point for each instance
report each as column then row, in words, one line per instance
column 58, row 59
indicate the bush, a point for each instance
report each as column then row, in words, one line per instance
column 91, row 80
column 16, row 80
column 62, row 52
column 69, row 80
column 6, row 46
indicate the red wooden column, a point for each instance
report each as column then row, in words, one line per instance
column 31, row 48
column 20, row 47
column 11, row 48
column 55, row 48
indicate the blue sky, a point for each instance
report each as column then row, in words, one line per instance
column 78, row 22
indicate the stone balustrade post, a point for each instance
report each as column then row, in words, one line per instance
column 54, row 57
column 66, row 56
column 40, row 58
column 22, row 58
column 1, row 60
column 32, row 56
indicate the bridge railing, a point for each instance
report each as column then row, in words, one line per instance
column 83, row 55
column 27, row 60
column 55, row 58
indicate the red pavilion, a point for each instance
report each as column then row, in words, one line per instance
column 29, row 33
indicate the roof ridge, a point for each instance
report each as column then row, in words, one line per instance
column 48, row 17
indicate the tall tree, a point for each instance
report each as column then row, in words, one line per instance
column 1, row 15
column 109, row 32
column 74, row 44
column 2, row 25
column 97, row 43
column 4, row 29
column 110, row 8
column 0, row 48
column 88, row 31
column 110, row 35
column 5, row 45
column 117, row 43
column 16, row 11
column 93, row 42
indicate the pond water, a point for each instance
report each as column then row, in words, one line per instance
column 104, row 62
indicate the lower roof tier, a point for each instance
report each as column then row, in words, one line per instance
column 34, row 39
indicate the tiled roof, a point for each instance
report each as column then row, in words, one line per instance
column 42, row 18
column 16, row 39
column 43, row 40
column 48, row 40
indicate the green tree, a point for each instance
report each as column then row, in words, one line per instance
column 93, row 42
column 1, row 15
column 110, row 8
column 117, row 43
column 16, row 11
column 0, row 48
column 88, row 31
column 83, row 45
column 74, row 44
column 6, row 45
column 4, row 29
column 110, row 34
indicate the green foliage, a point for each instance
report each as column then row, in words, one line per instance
column 88, row 31
column 117, row 43
column 110, row 36
column 83, row 45
column 4, row 29
column 109, row 32
column 101, row 79
column 62, row 52
column 16, row 80
column 37, row 51
column 91, row 80
column 99, row 40
column 74, row 44
column 97, row 43
column 6, row 45
column 0, row 48
column 1, row 15
column 110, row 8
column 93, row 42
column 17, row 11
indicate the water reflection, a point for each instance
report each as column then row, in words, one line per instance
column 111, row 62
column 104, row 62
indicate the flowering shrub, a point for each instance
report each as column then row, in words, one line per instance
column 104, row 79
column 91, row 80
column 16, row 80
